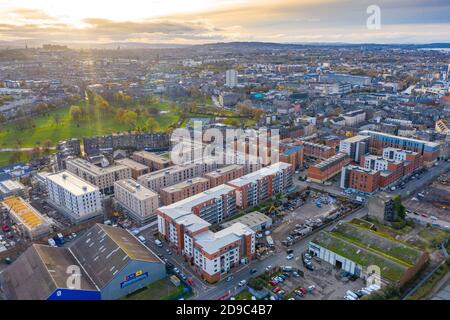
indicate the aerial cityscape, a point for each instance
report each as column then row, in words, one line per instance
column 203, row 151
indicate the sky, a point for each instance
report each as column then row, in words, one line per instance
column 207, row 21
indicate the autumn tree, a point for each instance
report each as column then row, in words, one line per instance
column 152, row 125
column 76, row 113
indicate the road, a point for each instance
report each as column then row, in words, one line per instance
column 206, row 291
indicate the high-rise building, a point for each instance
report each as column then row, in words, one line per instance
column 78, row 199
column 231, row 78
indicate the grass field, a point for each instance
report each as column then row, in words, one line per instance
column 6, row 156
column 45, row 127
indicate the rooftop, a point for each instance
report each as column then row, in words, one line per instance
column 132, row 164
column 183, row 207
column 95, row 170
column 259, row 174
column 357, row 138
column 251, row 220
column 24, row 212
column 139, row 191
column 224, row 170
column 72, row 183
column 212, row 242
column 180, row 186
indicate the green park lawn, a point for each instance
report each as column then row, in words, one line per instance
column 45, row 128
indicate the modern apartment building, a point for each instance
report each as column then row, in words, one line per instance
column 355, row 147
column 152, row 160
column 78, row 199
column 225, row 174
column 137, row 169
column 212, row 254
column 360, row 179
column 328, row 168
column 103, row 178
column 318, row 151
column 139, row 202
column 183, row 190
column 161, row 179
column 212, row 205
column 379, row 140
column 260, row 185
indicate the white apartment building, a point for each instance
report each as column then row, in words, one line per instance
column 78, row 199
column 140, row 202
column 395, row 154
column 231, row 78
column 103, row 178
column 376, row 163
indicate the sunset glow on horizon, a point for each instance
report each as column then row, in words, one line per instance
column 204, row 21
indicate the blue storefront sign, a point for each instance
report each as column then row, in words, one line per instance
column 133, row 278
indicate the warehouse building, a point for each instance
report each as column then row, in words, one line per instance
column 355, row 248
column 41, row 273
column 111, row 263
column 32, row 222
column 117, row 261
column 256, row 221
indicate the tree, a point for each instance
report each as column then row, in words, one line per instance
column 101, row 103
column 47, row 145
column 130, row 118
column 76, row 113
column 152, row 125
column 399, row 207
column 15, row 157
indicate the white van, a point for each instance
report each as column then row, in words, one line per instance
column 158, row 243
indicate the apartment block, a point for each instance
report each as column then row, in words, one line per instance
column 379, row 140
column 328, row 168
column 103, row 178
column 360, row 179
column 260, row 185
column 78, row 199
column 161, row 179
column 137, row 169
column 186, row 226
column 318, row 151
column 212, row 205
column 224, row 175
column 139, row 202
column 355, row 147
column 152, row 160
column 183, row 190
column 293, row 155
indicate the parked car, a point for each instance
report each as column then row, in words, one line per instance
column 176, row 270
column 242, row 283
column 252, row 271
column 290, row 256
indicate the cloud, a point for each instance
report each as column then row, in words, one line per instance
column 263, row 20
column 31, row 14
